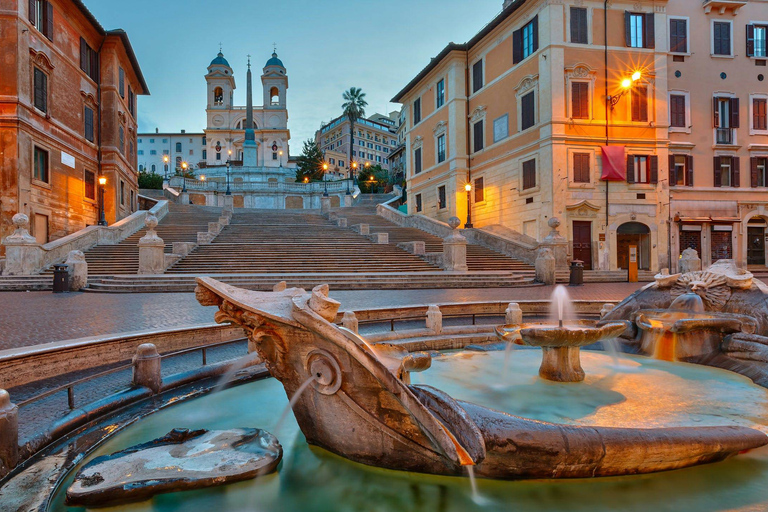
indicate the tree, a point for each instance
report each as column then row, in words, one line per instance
column 354, row 108
column 150, row 180
column 373, row 179
column 309, row 165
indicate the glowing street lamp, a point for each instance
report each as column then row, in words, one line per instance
column 184, row 176
column 102, row 184
column 165, row 161
column 626, row 85
column 468, row 188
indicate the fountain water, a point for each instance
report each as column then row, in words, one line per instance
column 561, row 309
column 293, row 400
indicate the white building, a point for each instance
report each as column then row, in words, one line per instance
column 178, row 147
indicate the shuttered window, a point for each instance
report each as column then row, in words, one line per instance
column 417, row 161
column 681, row 170
column 418, row 202
column 479, row 190
column 41, row 90
column 477, row 135
column 440, row 94
column 477, row 76
column 441, row 149
column 677, row 110
column 89, row 60
column 639, row 30
column 757, row 44
column 579, row 25
column 417, row 111
column 678, row 36
column 441, row 201
column 727, row 171
column 525, row 41
column 721, row 37
column 759, row 118
column 758, row 167
column 527, row 107
column 88, row 116
column 529, row 174
column 121, row 80
column 41, row 16
column 642, row 169
column 90, row 185
column 640, row 103
column 580, row 100
column 581, row 167
column 41, row 165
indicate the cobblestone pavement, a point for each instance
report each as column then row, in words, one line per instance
column 33, row 318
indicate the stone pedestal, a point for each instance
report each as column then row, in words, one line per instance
column 434, row 319
column 214, row 228
column 561, row 364
column 557, row 244
column 151, row 249
column 418, row 247
column 23, row 255
column 183, row 197
column 77, row 268
column 349, row 320
column 229, row 204
column 455, row 249
column 363, row 229
column 146, row 368
column 513, row 315
column 347, row 201
column 545, row 266
column 380, row 238
column 341, row 222
column 690, row 261
column 325, row 204
column 183, row 248
column 250, row 150
column 9, row 434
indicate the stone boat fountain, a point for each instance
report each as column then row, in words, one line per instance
column 360, row 406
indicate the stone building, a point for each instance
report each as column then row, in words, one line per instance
column 177, row 148
column 68, row 91
column 374, row 139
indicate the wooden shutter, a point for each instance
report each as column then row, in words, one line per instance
column 83, row 55
column 649, row 37
column 750, row 40
column 32, row 14
column 689, row 170
column 677, row 111
column 628, row 28
column 654, row 163
column 535, row 33
column 717, row 172
column 753, row 172
column 715, row 112
column 736, row 171
column 517, row 46
column 48, row 20
column 579, row 100
column 477, row 76
column 94, row 58
column 89, row 124
column 630, row 169
column 122, row 82
column 579, row 25
column 734, row 112
column 41, row 91
column 672, row 171
column 478, row 135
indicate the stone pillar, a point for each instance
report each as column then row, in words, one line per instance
column 349, row 320
column 455, row 249
column 557, row 244
column 23, row 255
column 381, row 238
column 434, row 319
column 146, row 368
column 223, row 221
column 545, row 266
column 229, row 204
column 183, row 197
column 690, row 261
column 363, row 229
column 325, row 204
column 151, row 249
column 347, row 200
column 77, row 268
column 9, row 434
column 607, row 308
column 513, row 315
column 342, row 222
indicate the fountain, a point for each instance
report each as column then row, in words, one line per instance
column 561, row 344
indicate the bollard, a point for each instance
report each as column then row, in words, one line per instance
column 60, row 278
column 9, row 434
column 434, row 319
column 349, row 320
column 607, row 308
column 513, row 315
column 146, row 367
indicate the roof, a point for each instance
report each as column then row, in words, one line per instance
column 123, row 37
column 450, row 47
column 219, row 61
column 274, row 61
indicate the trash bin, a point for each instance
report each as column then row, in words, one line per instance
column 60, row 278
column 577, row 273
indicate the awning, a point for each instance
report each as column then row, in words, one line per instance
column 705, row 211
column 614, row 164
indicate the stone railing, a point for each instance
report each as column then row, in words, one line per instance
column 523, row 250
column 431, row 226
column 34, row 258
column 264, row 186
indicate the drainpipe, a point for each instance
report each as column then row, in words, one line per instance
column 468, row 224
column 607, row 110
column 98, row 117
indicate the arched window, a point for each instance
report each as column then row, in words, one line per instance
column 218, row 96
column 274, row 95
column 153, row 168
column 178, row 147
column 178, row 162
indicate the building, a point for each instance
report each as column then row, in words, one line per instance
column 67, row 117
column 584, row 122
column 374, row 139
column 177, row 147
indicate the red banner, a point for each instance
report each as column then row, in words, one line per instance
column 614, row 164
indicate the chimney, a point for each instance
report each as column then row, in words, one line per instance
column 183, row 131
column 507, row 3
column 157, row 130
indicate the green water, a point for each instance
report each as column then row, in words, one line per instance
column 641, row 393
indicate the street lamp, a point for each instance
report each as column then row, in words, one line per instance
column 468, row 188
column 202, row 177
column 372, row 184
column 354, row 174
column 184, row 176
column 102, row 183
column 165, row 161
column 626, row 85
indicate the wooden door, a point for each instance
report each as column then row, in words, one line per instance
column 582, row 242
column 756, row 246
column 41, row 228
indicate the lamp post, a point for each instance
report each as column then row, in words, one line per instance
column 184, row 176
column 626, row 85
column 354, row 174
column 229, row 162
column 468, row 188
column 372, row 184
column 102, row 183
column 165, row 161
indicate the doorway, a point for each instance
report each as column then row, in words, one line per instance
column 582, row 242
column 756, row 241
column 633, row 233
column 41, row 228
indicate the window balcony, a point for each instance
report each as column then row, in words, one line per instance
column 721, row 6
column 724, row 136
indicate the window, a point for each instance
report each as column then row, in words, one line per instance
column 41, row 90
column 205, row 154
column 274, row 155
column 165, row 141
column 178, row 147
column 218, row 96
column 501, row 128
column 479, row 190
column 122, row 192
column 132, row 200
column 727, row 171
column 441, row 148
column 204, row 143
column 477, row 76
column 178, row 162
column 639, row 30
column 640, row 103
column 759, row 119
column 581, row 167
column 130, row 148
column 121, row 134
column 756, row 41
column 721, row 38
column 677, row 111
column 579, row 25
column 341, row 163
column 41, row 17
column 529, row 174
column 527, row 111
column 218, row 156
column 88, row 118
column 642, row 169
column 418, row 202
column 121, row 82
column 678, row 35
column 441, row 201
column 191, row 152
column 681, row 170
column 89, row 60
column 440, row 93
column 153, row 168
column 417, row 111
column 477, row 135
column 726, row 112
column 152, row 151
column 525, row 41
column 580, row 100
column 41, row 165
column 758, row 167
column 131, row 102
column 417, row 161
column 141, row 152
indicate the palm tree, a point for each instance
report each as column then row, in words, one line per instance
column 354, row 108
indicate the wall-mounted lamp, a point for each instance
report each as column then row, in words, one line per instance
column 626, row 85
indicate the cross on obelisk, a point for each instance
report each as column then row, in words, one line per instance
column 249, row 61
column 220, row 46
column 274, row 47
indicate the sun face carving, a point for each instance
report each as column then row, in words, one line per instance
column 711, row 287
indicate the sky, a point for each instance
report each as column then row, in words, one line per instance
column 327, row 46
